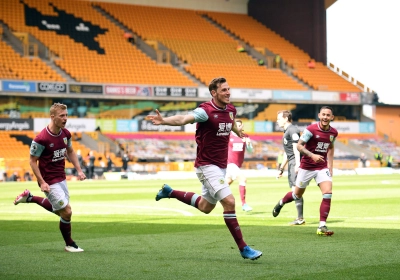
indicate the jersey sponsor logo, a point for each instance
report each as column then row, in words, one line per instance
column 322, row 147
column 237, row 147
column 59, row 154
column 224, row 129
column 295, row 136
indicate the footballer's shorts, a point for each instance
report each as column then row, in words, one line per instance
column 232, row 171
column 58, row 195
column 214, row 185
column 305, row 176
column 292, row 173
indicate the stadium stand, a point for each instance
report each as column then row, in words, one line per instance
column 15, row 66
column 249, row 30
column 207, row 50
column 99, row 55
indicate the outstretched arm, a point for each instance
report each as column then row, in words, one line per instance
column 176, row 120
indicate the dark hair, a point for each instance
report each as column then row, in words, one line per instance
column 239, row 121
column 326, row 107
column 286, row 114
column 213, row 85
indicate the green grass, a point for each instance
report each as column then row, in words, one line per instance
column 126, row 234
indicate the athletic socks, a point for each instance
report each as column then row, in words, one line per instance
column 42, row 201
column 299, row 207
column 65, row 228
column 324, row 209
column 188, row 198
column 233, row 226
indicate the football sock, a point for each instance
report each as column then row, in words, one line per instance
column 65, row 228
column 233, row 226
column 242, row 191
column 325, row 207
column 186, row 197
column 299, row 207
column 42, row 201
column 287, row 198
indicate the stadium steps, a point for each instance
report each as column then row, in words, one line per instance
column 356, row 149
column 60, row 71
column 146, row 48
column 268, row 57
column 249, row 50
column 43, row 51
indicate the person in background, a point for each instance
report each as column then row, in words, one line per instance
column 27, row 176
column 125, row 160
column 236, row 150
column 379, row 157
column 15, row 177
column 291, row 156
column 389, row 160
column 215, row 120
column 311, row 64
column 363, row 160
column 109, row 163
column 91, row 159
column 47, row 160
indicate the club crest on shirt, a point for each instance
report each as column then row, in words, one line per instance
column 61, row 203
column 65, row 140
column 331, row 137
column 231, row 115
column 221, row 181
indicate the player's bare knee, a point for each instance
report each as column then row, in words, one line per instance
column 66, row 213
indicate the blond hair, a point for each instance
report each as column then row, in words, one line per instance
column 57, row 106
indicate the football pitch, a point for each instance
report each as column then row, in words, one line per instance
column 126, row 234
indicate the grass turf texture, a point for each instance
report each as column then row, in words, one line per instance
column 126, row 234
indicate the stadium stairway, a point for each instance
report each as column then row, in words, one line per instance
column 146, row 48
column 268, row 57
column 17, row 45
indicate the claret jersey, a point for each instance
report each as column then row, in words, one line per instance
column 51, row 150
column 317, row 142
column 213, row 129
column 236, row 149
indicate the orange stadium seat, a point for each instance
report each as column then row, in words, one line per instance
column 208, row 51
column 119, row 63
column 259, row 36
